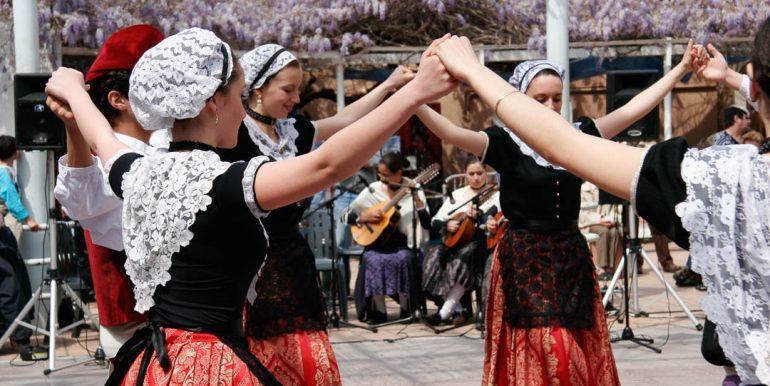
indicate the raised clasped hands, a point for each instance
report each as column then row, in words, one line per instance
column 62, row 83
column 400, row 76
column 709, row 64
column 457, row 55
column 432, row 80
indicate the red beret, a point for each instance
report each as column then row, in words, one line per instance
column 123, row 49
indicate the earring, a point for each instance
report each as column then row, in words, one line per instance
column 259, row 99
column 216, row 119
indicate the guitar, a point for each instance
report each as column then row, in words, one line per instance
column 502, row 223
column 467, row 229
column 371, row 232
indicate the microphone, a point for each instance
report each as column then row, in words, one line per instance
column 366, row 183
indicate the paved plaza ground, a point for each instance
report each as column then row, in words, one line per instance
column 413, row 355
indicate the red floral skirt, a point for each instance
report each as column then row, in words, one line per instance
column 544, row 355
column 299, row 358
column 196, row 359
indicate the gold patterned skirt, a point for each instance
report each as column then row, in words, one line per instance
column 544, row 355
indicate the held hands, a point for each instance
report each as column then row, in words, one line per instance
column 711, row 67
column 452, row 226
column 691, row 54
column 60, row 88
column 432, row 80
column 458, row 56
column 399, row 77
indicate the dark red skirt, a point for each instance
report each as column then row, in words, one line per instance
column 544, row 355
column 300, row 358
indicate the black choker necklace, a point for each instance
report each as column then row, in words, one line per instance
column 259, row 117
column 765, row 146
column 189, row 145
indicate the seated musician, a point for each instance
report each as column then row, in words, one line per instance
column 389, row 266
column 451, row 270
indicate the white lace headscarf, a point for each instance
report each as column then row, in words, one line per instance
column 174, row 79
column 262, row 63
column 522, row 76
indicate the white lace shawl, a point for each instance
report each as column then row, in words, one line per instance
column 727, row 212
column 162, row 195
column 287, row 135
column 528, row 151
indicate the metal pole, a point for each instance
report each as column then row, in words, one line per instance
column 557, row 43
column 54, row 266
column 340, row 75
column 667, row 100
column 31, row 165
column 25, row 35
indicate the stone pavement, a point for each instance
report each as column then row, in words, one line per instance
column 413, row 355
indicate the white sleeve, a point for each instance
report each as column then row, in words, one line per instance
column 85, row 196
column 83, row 192
column 442, row 213
column 745, row 92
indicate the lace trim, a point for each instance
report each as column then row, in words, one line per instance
column 287, row 135
column 248, row 186
column 531, row 153
column 726, row 212
column 162, row 196
column 635, row 180
column 251, row 201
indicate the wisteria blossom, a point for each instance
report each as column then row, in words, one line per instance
column 349, row 26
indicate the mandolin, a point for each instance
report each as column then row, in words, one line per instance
column 467, row 229
column 502, row 223
column 373, row 232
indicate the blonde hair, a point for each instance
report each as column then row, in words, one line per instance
column 752, row 135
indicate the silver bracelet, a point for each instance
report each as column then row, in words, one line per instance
column 497, row 104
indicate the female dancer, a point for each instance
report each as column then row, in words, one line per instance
column 191, row 222
column 449, row 272
column 543, row 307
column 286, row 323
column 713, row 201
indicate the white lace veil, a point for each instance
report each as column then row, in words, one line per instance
column 727, row 212
column 173, row 79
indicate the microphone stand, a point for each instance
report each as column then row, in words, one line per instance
column 334, row 317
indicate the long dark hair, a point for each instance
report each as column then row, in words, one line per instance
column 760, row 57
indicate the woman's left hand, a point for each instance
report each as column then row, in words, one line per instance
column 399, row 77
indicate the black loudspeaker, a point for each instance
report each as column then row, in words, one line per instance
column 622, row 85
column 37, row 127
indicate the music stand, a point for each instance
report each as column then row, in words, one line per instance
column 53, row 281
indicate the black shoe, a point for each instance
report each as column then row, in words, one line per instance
column 687, row 278
column 459, row 318
column 435, row 320
column 376, row 317
column 404, row 314
column 701, row 287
